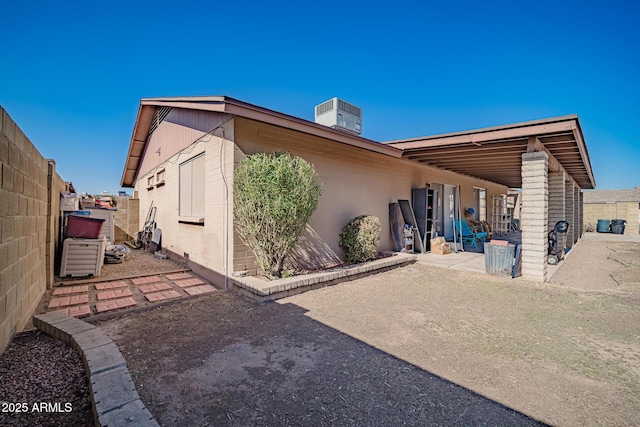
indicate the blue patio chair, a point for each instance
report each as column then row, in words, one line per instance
column 469, row 235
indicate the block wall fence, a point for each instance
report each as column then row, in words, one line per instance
column 29, row 216
column 629, row 211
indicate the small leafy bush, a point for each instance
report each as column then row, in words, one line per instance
column 359, row 238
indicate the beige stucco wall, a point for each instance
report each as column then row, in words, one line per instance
column 354, row 181
column 202, row 244
column 629, row 211
column 29, row 215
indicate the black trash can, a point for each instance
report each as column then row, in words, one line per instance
column 617, row 226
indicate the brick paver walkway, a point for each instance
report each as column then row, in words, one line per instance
column 71, row 290
column 115, row 304
column 111, row 285
column 117, row 293
column 162, row 296
column 156, row 287
column 189, row 282
column 102, row 297
column 67, row 301
column 148, row 279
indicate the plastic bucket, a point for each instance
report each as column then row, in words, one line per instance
column 617, row 226
column 603, row 225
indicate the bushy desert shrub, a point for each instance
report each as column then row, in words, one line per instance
column 274, row 197
column 359, row 238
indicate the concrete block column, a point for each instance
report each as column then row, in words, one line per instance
column 577, row 213
column 557, row 198
column 580, row 214
column 570, row 208
column 534, row 215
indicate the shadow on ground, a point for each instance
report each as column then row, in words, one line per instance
column 222, row 360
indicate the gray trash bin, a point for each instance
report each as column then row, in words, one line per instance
column 617, row 226
column 498, row 259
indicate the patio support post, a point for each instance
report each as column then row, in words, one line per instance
column 558, row 198
column 570, row 207
column 576, row 215
column 534, row 216
column 580, row 228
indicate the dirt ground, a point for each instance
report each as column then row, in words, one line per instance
column 415, row 346
column 138, row 263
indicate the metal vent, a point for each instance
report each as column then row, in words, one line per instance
column 325, row 107
column 340, row 115
column 161, row 114
column 349, row 108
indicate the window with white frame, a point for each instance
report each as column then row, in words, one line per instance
column 160, row 177
column 191, row 199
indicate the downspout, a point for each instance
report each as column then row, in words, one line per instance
column 223, row 158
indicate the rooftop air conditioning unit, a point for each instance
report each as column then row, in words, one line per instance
column 340, row 115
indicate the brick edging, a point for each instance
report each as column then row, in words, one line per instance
column 281, row 288
column 114, row 397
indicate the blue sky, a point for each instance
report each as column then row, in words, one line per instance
column 72, row 73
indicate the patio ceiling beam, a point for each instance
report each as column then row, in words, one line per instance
column 495, row 166
column 504, row 154
column 535, row 145
column 484, row 152
column 559, row 138
column 466, row 148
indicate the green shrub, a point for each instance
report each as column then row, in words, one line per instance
column 359, row 238
column 274, row 197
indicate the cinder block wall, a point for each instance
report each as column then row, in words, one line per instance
column 126, row 218
column 628, row 211
column 29, row 216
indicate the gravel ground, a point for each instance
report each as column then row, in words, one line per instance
column 43, row 383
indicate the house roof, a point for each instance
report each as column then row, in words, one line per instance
column 495, row 153
column 612, row 196
column 224, row 104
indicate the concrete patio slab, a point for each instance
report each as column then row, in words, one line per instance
column 462, row 261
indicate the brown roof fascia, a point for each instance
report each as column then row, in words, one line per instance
column 515, row 130
column 582, row 148
column 136, row 146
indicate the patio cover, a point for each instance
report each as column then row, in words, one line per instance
column 495, row 153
